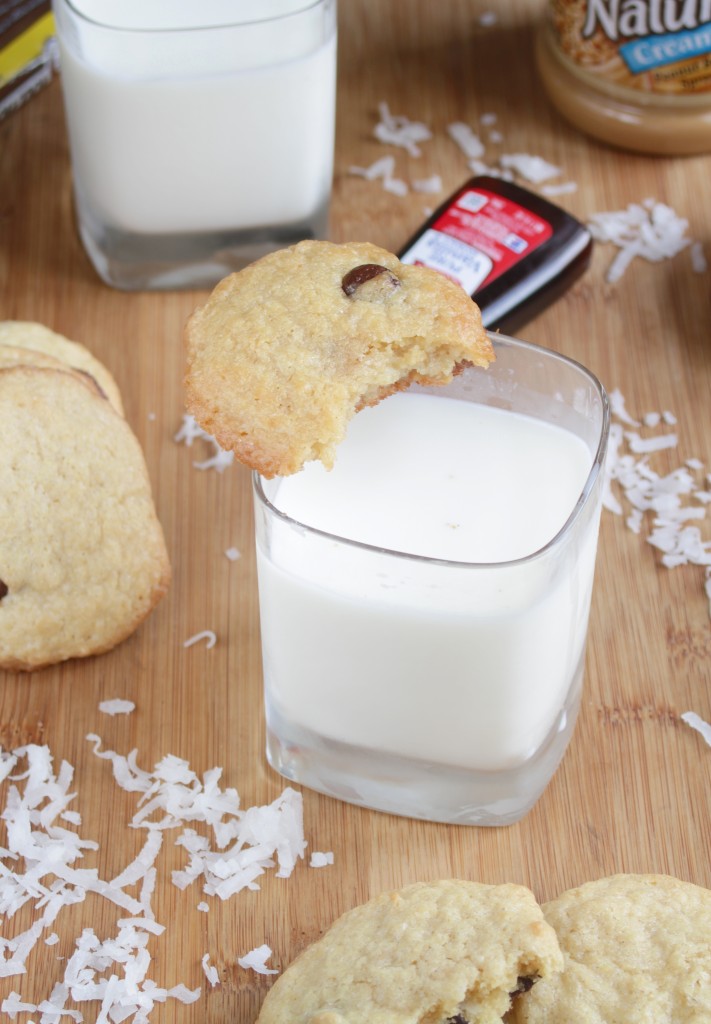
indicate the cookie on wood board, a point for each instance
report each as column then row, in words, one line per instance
column 36, row 338
column 637, row 949
column 82, row 555
column 286, row 351
column 445, row 951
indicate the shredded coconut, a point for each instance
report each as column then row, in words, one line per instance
column 13, row 1004
column 206, row 634
column 699, row 263
column 320, row 860
column 210, row 970
column 697, row 723
column 256, row 960
column 247, row 842
column 190, row 431
column 564, row 189
column 617, row 408
column 532, row 168
column 42, row 853
column 382, row 170
column 117, row 706
column 650, row 229
column 480, row 167
column 37, row 868
column 431, row 184
column 397, row 130
column 641, row 445
column 672, row 504
column 467, row 140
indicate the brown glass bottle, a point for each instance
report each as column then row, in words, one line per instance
column 512, row 250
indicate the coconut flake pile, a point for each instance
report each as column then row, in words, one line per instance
column 669, row 508
column 398, row 130
column 649, row 229
column 245, row 843
column 38, row 867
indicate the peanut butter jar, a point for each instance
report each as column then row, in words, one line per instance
column 636, row 75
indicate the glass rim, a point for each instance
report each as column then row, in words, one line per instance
column 555, row 541
column 306, row 6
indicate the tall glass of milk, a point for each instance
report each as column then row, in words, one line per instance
column 424, row 605
column 201, row 134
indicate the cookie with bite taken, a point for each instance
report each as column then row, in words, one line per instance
column 286, row 351
column 444, row 952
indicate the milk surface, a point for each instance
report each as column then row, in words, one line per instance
column 462, row 662
column 205, row 130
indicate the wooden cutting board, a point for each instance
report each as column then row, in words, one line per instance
column 634, row 790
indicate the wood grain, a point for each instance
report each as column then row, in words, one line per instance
column 634, row 789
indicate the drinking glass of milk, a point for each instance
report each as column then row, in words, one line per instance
column 424, row 605
column 201, row 134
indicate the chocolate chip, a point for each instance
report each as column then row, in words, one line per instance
column 3, row 589
column 522, row 985
column 353, row 280
column 457, row 1020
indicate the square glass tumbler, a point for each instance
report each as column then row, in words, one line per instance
column 201, row 134
column 428, row 686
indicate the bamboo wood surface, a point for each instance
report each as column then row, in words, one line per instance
column 634, row 790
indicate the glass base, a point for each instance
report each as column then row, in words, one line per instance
column 136, row 262
column 418, row 789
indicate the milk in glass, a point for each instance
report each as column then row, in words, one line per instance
column 424, row 606
column 190, row 140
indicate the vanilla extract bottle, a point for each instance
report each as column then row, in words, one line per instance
column 512, row 250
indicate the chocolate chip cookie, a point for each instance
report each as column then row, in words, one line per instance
column 445, row 952
column 39, row 342
column 82, row 555
column 637, row 950
column 286, row 351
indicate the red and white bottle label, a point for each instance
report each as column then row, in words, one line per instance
column 478, row 237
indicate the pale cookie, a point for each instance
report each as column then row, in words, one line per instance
column 40, row 339
column 432, row 952
column 82, row 555
column 286, row 351
column 637, row 950
column 13, row 355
